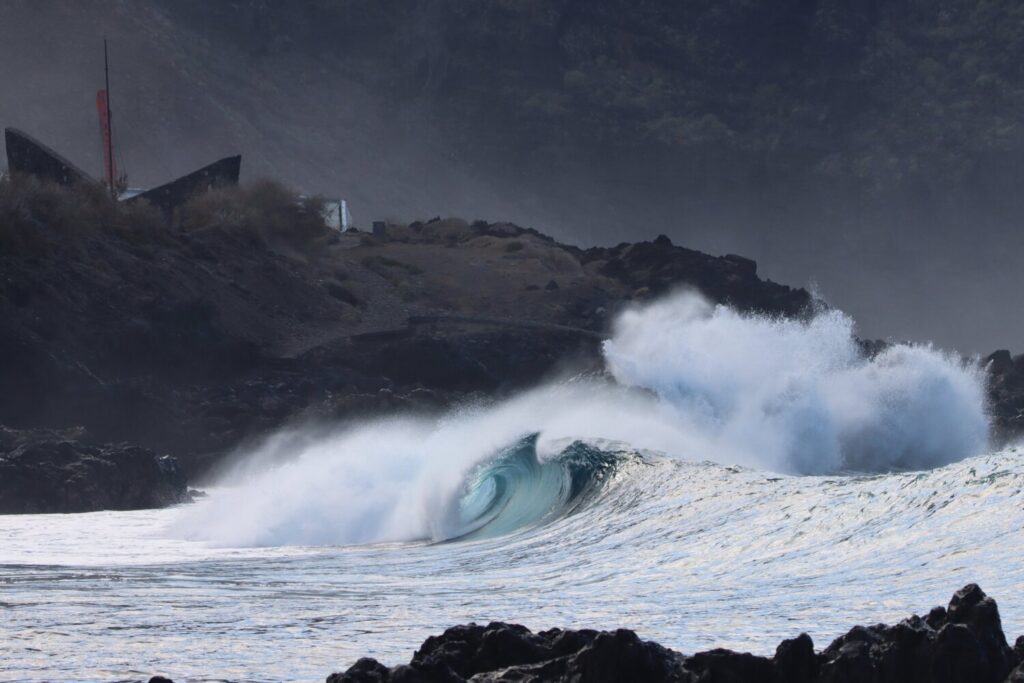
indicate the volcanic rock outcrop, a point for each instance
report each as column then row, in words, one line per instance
column 1006, row 393
column 56, row 472
column 961, row 643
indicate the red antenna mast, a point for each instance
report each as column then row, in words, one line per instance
column 106, row 126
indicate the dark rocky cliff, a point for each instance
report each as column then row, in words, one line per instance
column 795, row 88
column 44, row 472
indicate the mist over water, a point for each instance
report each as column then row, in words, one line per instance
column 695, row 382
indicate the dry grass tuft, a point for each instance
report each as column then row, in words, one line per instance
column 36, row 215
column 263, row 214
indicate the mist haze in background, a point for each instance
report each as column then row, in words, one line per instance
column 872, row 148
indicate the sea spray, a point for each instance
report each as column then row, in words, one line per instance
column 798, row 396
column 400, row 479
column 694, row 382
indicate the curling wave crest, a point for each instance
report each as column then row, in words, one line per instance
column 516, row 489
column 693, row 382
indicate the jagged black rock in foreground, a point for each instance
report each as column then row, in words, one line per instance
column 44, row 471
column 962, row 643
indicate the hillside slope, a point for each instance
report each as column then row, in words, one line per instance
column 248, row 312
column 872, row 148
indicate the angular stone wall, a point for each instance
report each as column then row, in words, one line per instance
column 167, row 197
column 25, row 154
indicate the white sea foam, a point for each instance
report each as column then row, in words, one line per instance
column 696, row 382
column 798, row 396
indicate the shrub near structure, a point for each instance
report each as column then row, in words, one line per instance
column 35, row 214
column 263, row 213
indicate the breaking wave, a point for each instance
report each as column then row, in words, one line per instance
column 516, row 489
column 694, row 382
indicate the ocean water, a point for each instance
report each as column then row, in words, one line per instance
column 742, row 480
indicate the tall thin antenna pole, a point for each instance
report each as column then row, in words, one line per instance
column 110, row 126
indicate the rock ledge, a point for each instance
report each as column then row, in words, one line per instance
column 963, row 642
column 48, row 471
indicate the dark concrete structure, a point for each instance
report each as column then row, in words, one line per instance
column 171, row 195
column 27, row 155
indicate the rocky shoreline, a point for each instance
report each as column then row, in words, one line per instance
column 960, row 643
column 248, row 313
column 192, row 339
column 48, row 472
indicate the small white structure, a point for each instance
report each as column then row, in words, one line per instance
column 336, row 214
column 346, row 217
column 130, row 192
